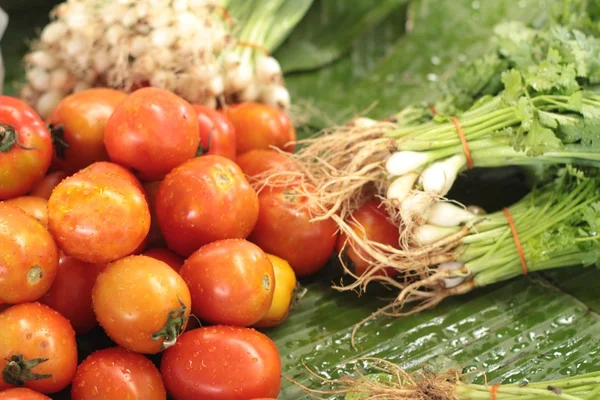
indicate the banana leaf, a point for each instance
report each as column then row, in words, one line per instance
column 537, row 327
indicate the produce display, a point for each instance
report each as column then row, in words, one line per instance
column 164, row 214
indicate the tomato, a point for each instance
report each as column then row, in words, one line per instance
column 37, row 348
column 78, row 122
column 204, row 200
column 166, row 256
column 231, row 282
column 222, row 362
column 284, row 228
column 102, row 167
column 155, row 237
column 283, row 296
column 288, row 126
column 217, row 134
column 98, row 217
column 152, row 131
column 71, row 292
column 45, row 187
column 25, row 148
column 258, row 161
column 370, row 222
column 257, row 126
column 37, row 207
column 117, row 374
column 142, row 304
column 22, row 394
column 28, row 256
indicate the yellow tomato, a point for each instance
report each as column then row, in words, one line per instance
column 285, row 289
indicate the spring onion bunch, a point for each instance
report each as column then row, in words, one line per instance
column 393, row 383
column 191, row 47
column 555, row 225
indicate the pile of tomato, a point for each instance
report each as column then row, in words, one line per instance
column 140, row 213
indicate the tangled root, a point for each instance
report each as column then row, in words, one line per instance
column 401, row 385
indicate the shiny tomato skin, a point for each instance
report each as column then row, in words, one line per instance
column 34, row 330
column 231, row 282
column 370, row 221
column 117, row 374
column 132, row 299
column 166, row 256
column 222, row 362
column 257, row 126
column 28, row 256
column 204, row 200
column 88, row 211
column 45, row 187
column 26, row 161
column 152, row 131
column 81, row 120
column 22, row 393
column 37, row 207
column 258, row 161
column 102, row 167
column 283, row 295
column 284, row 229
column 217, row 134
column 71, row 292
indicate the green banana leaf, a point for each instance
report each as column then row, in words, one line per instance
column 533, row 328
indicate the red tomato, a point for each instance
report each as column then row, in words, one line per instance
column 28, row 256
column 117, row 374
column 71, row 292
column 152, row 131
column 37, row 207
column 102, row 167
column 22, row 394
column 231, row 282
column 78, row 124
column 166, row 256
column 370, row 221
column 98, row 217
column 284, row 228
column 25, row 148
column 155, row 237
column 204, row 200
column 33, row 331
column 258, row 126
column 258, row 161
column 45, row 187
column 142, row 304
column 217, row 134
column 222, row 362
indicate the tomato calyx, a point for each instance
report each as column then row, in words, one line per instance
column 176, row 319
column 9, row 138
column 203, row 150
column 18, row 370
column 57, row 132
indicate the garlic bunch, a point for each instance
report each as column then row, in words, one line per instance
column 186, row 46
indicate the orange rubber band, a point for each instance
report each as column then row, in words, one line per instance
column 433, row 110
column 513, row 229
column 494, row 391
column 254, row 46
column 463, row 140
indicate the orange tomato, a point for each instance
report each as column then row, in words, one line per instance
column 142, row 304
column 45, row 187
column 22, row 394
column 28, row 256
column 37, row 207
column 166, row 256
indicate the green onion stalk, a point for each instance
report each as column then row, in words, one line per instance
column 393, row 383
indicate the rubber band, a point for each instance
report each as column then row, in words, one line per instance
column 433, row 110
column 463, row 140
column 254, row 46
column 494, row 391
column 513, row 229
